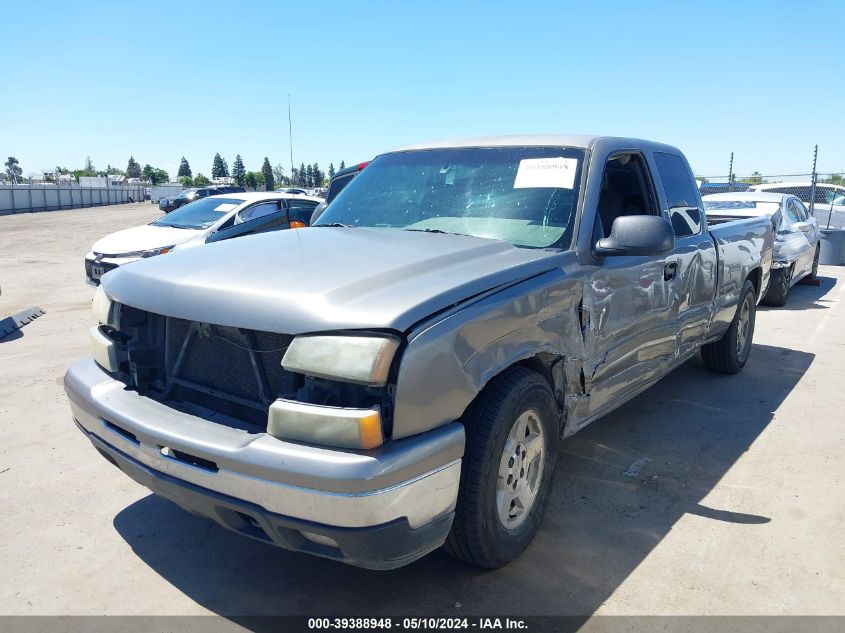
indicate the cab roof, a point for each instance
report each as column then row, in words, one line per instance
column 583, row 141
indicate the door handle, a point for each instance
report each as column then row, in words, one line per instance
column 670, row 271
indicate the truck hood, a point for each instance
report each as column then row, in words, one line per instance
column 323, row 278
column 143, row 238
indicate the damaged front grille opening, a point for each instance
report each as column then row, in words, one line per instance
column 226, row 370
column 226, row 375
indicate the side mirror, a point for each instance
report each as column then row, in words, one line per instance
column 638, row 235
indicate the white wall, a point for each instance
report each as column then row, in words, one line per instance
column 49, row 197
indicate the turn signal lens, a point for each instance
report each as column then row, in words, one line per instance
column 103, row 308
column 326, row 426
column 297, row 224
column 103, row 349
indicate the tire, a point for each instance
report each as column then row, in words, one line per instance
column 778, row 288
column 815, row 269
column 729, row 354
column 497, row 517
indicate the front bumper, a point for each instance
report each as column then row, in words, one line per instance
column 381, row 508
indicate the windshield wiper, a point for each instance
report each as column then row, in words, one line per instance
column 336, row 225
column 176, row 226
column 434, row 231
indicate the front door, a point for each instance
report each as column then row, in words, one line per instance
column 809, row 227
column 627, row 299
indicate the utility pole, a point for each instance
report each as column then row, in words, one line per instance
column 813, row 182
column 731, row 174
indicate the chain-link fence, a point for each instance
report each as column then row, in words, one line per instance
column 823, row 195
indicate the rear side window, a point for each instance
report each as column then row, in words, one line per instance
column 337, row 185
column 257, row 211
column 800, row 209
column 681, row 194
column 792, row 213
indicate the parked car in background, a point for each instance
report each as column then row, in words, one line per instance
column 707, row 188
column 399, row 375
column 189, row 195
column 170, row 203
column 829, row 204
column 797, row 235
column 336, row 185
column 207, row 219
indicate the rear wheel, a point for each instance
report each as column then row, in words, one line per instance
column 729, row 354
column 815, row 269
column 778, row 287
column 507, row 471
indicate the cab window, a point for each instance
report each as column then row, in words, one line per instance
column 681, row 194
column 624, row 191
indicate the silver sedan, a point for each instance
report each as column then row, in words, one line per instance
column 796, row 252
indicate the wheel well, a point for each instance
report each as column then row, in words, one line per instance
column 542, row 364
column 546, row 364
column 756, row 278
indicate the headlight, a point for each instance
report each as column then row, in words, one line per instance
column 103, row 308
column 360, row 359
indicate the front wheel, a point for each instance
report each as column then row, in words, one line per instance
column 512, row 433
column 729, row 354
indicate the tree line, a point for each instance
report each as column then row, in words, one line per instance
column 268, row 177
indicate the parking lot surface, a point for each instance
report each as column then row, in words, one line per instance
column 706, row 494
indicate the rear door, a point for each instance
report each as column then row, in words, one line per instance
column 808, row 226
column 693, row 286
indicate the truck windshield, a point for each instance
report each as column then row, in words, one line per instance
column 524, row 195
column 200, row 214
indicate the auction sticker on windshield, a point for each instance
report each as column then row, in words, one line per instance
column 546, row 172
column 226, row 206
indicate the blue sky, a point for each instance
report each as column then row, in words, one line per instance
column 164, row 79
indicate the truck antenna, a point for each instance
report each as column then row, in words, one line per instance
column 290, row 140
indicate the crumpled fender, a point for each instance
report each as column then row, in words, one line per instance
column 788, row 248
column 450, row 358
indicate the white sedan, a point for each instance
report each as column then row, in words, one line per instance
column 200, row 222
column 829, row 207
column 796, row 251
